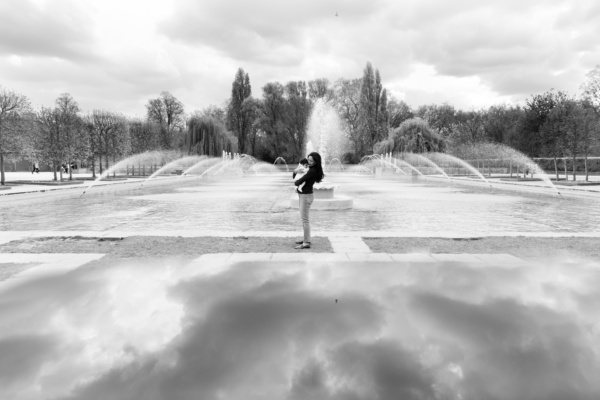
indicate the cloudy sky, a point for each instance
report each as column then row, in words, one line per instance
column 116, row 54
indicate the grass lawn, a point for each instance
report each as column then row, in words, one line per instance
column 523, row 247
column 158, row 246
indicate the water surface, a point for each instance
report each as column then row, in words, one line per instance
column 167, row 330
column 261, row 203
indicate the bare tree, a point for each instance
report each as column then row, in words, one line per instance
column 12, row 108
column 75, row 142
column 145, row 135
column 168, row 113
column 590, row 130
column 48, row 139
column 440, row 118
column 110, row 136
column 61, row 136
column 471, row 125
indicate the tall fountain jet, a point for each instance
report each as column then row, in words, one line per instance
column 325, row 133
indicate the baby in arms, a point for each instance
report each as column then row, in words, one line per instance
column 300, row 170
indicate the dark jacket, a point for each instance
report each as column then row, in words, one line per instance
column 308, row 179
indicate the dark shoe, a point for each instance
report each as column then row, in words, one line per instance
column 301, row 241
column 303, row 246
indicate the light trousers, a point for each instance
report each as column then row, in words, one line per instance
column 305, row 202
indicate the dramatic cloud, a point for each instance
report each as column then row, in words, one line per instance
column 53, row 28
column 117, row 54
column 266, row 32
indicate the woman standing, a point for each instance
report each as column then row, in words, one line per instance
column 314, row 174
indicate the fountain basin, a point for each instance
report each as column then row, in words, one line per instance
column 323, row 193
column 324, row 190
column 325, row 199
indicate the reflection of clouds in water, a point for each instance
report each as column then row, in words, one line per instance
column 381, row 369
column 517, row 342
column 22, row 357
column 96, row 320
column 509, row 350
column 244, row 340
column 427, row 331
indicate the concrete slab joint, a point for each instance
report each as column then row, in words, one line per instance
column 348, row 244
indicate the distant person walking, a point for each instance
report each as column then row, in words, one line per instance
column 305, row 196
column 35, row 168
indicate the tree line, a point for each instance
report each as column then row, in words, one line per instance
column 63, row 135
column 553, row 124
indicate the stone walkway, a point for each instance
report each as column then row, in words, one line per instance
column 49, row 265
column 348, row 244
column 472, row 259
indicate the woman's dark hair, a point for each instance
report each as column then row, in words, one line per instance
column 304, row 161
column 318, row 167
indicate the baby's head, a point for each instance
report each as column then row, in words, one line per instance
column 304, row 162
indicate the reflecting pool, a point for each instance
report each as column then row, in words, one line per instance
column 261, row 203
column 304, row 330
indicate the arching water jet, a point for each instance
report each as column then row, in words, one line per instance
column 280, row 160
column 153, row 156
column 451, row 159
column 430, row 162
column 175, row 163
